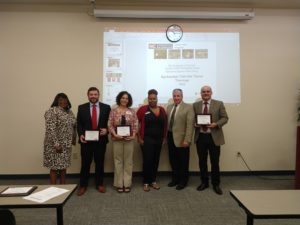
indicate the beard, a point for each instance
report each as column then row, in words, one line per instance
column 93, row 100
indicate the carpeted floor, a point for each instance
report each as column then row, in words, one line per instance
column 166, row 206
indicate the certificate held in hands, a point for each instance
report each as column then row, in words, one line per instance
column 91, row 135
column 203, row 119
column 123, row 130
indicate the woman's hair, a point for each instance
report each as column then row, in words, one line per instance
column 120, row 95
column 152, row 91
column 61, row 95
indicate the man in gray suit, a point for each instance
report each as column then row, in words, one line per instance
column 180, row 132
column 209, row 138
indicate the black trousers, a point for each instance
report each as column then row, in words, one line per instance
column 90, row 151
column 179, row 160
column 205, row 146
column 151, row 154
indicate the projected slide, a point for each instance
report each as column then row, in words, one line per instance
column 137, row 62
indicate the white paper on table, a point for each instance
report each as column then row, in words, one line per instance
column 45, row 195
column 16, row 190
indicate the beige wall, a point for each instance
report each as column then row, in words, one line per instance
column 43, row 53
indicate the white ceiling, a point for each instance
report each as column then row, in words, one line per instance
column 276, row 4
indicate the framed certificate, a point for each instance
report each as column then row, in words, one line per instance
column 17, row 191
column 123, row 131
column 91, row 135
column 203, row 119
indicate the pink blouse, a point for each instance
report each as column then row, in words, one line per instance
column 115, row 118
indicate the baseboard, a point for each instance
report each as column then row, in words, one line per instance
column 160, row 173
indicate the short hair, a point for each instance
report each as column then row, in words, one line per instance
column 120, row 95
column 58, row 96
column 206, row 86
column 93, row 89
column 152, row 91
column 178, row 89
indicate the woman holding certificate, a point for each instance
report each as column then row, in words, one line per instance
column 152, row 132
column 123, row 125
column 60, row 135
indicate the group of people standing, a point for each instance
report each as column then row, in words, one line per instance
column 151, row 125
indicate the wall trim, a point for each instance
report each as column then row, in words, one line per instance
column 162, row 173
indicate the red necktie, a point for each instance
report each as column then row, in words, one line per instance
column 94, row 117
column 205, row 111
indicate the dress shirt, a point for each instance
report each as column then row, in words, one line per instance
column 177, row 108
column 203, row 105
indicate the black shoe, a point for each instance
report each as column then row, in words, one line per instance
column 218, row 190
column 172, row 184
column 179, row 187
column 202, row 187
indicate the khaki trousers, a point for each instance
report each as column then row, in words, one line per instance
column 123, row 160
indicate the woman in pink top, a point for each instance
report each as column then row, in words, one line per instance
column 123, row 145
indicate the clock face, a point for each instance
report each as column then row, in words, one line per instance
column 174, row 33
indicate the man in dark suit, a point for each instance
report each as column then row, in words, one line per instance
column 209, row 138
column 92, row 116
column 180, row 134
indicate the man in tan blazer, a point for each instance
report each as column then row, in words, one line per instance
column 180, row 133
column 209, row 138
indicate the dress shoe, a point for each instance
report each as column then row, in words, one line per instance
column 101, row 189
column 172, row 184
column 155, row 186
column 202, row 187
column 218, row 190
column 146, row 188
column 179, row 187
column 81, row 191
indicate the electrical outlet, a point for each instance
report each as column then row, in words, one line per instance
column 238, row 154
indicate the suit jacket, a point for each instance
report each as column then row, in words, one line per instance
column 183, row 126
column 84, row 120
column 219, row 116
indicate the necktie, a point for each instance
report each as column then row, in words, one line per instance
column 205, row 111
column 94, row 117
column 172, row 118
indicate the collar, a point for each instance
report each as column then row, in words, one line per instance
column 209, row 101
column 178, row 104
column 97, row 104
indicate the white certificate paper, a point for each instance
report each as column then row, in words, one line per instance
column 203, row 119
column 45, row 195
column 123, row 131
column 17, row 190
column 91, row 135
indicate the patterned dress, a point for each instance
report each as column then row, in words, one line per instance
column 60, row 130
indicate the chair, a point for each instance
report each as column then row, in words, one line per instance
column 7, row 217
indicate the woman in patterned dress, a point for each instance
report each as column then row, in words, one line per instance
column 59, row 137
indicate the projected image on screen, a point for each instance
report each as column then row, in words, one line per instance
column 137, row 62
